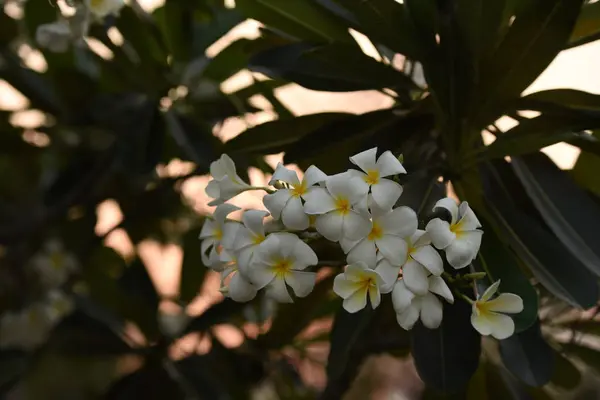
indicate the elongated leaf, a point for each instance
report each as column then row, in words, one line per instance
column 333, row 68
column 192, row 268
column 175, row 20
column 566, row 375
column 565, row 98
column 587, row 27
column 591, row 357
column 298, row 18
column 586, row 170
column 447, row 357
column 209, row 31
column 554, row 193
column 541, row 251
column 497, row 261
column 528, row 356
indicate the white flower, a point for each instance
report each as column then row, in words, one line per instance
column 233, row 283
column 486, row 317
column 102, row 8
column 226, row 183
column 286, row 203
column 53, row 265
column 249, row 237
column 280, row 260
column 421, row 261
column 55, row 36
column 216, row 234
column 58, row 305
column 333, row 205
column 28, row 328
column 385, row 191
column 388, row 230
column 356, row 283
column 409, row 307
column 460, row 238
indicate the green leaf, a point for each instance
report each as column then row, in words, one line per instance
column 192, row 268
column 346, row 330
column 334, row 67
column 528, row 356
column 586, row 170
column 566, row 375
column 275, row 136
column 13, row 364
column 421, row 193
column 8, row 29
column 175, row 20
column 298, row 18
column 587, row 27
column 554, row 193
column 560, row 98
column 39, row 13
column 447, row 357
column 208, row 32
column 496, row 260
column 217, row 313
column 589, row 356
column 535, row 37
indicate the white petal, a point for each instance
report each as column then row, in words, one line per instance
column 402, row 297
column 438, row 286
column 245, row 258
column 468, row 220
column 355, row 226
column 208, row 228
column 293, row 215
column 278, row 291
column 429, row 258
column 356, row 302
column 450, row 205
column 439, row 232
column 363, row 205
column 490, row 291
column 314, row 175
column 347, row 244
column 230, row 230
column 480, row 323
column 240, row 289
column 389, row 274
column 356, row 271
column 402, row 221
column 364, row 251
column 286, row 243
column 301, row 282
column 284, row 174
column 344, row 287
column 408, row 317
column 270, row 248
column 318, row 201
column 393, row 248
column 502, row 326
column 243, row 238
column 374, row 297
column 348, row 186
column 431, row 311
column 303, row 255
column 213, row 190
column 388, row 164
column 275, row 202
column 386, row 193
column 506, row 303
column 415, row 277
column 218, row 169
column 222, row 211
column 365, row 160
column 204, row 246
column 464, row 249
column 330, row 225
column 420, row 238
column 260, row 275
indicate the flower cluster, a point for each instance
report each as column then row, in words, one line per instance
column 386, row 252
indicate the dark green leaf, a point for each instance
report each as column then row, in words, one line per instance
column 175, row 20
column 554, row 193
column 587, row 27
column 334, row 68
column 589, row 356
column 136, row 282
column 421, row 194
column 566, row 375
column 275, row 136
column 586, row 170
column 560, row 98
column 8, row 29
column 13, row 364
column 208, row 32
column 528, row 356
column 447, row 357
column 192, row 268
column 39, row 13
column 218, row 313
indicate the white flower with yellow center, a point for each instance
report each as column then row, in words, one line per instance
column 218, row 233
column 249, row 237
column 460, row 238
column 336, row 218
column 487, row 316
column 421, row 261
column 54, row 264
column 234, row 284
column 357, row 283
column 385, row 191
column 287, row 203
column 102, row 8
column 280, row 261
column 226, row 182
column 410, row 307
column 388, row 230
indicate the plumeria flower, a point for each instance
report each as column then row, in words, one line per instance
column 286, row 203
column 216, row 234
column 487, row 317
column 226, row 183
column 336, row 219
column 249, row 237
column 280, row 261
column 460, row 238
column 388, row 230
column 233, row 283
column 356, row 283
column 385, row 191
column 102, row 8
column 410, row 307
column 421, row 261
column 54, row 265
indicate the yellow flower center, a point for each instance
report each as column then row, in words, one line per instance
column 298, row 190
column 258, row 239
column 376, row 232
column 57, row 260
column 342, row 205
column 218, row 233
column 482, row 307
column 312, row 220
column 366, row 283
column 96, row 3
column 281, row 267
column 372, row 177
column 457, row 228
